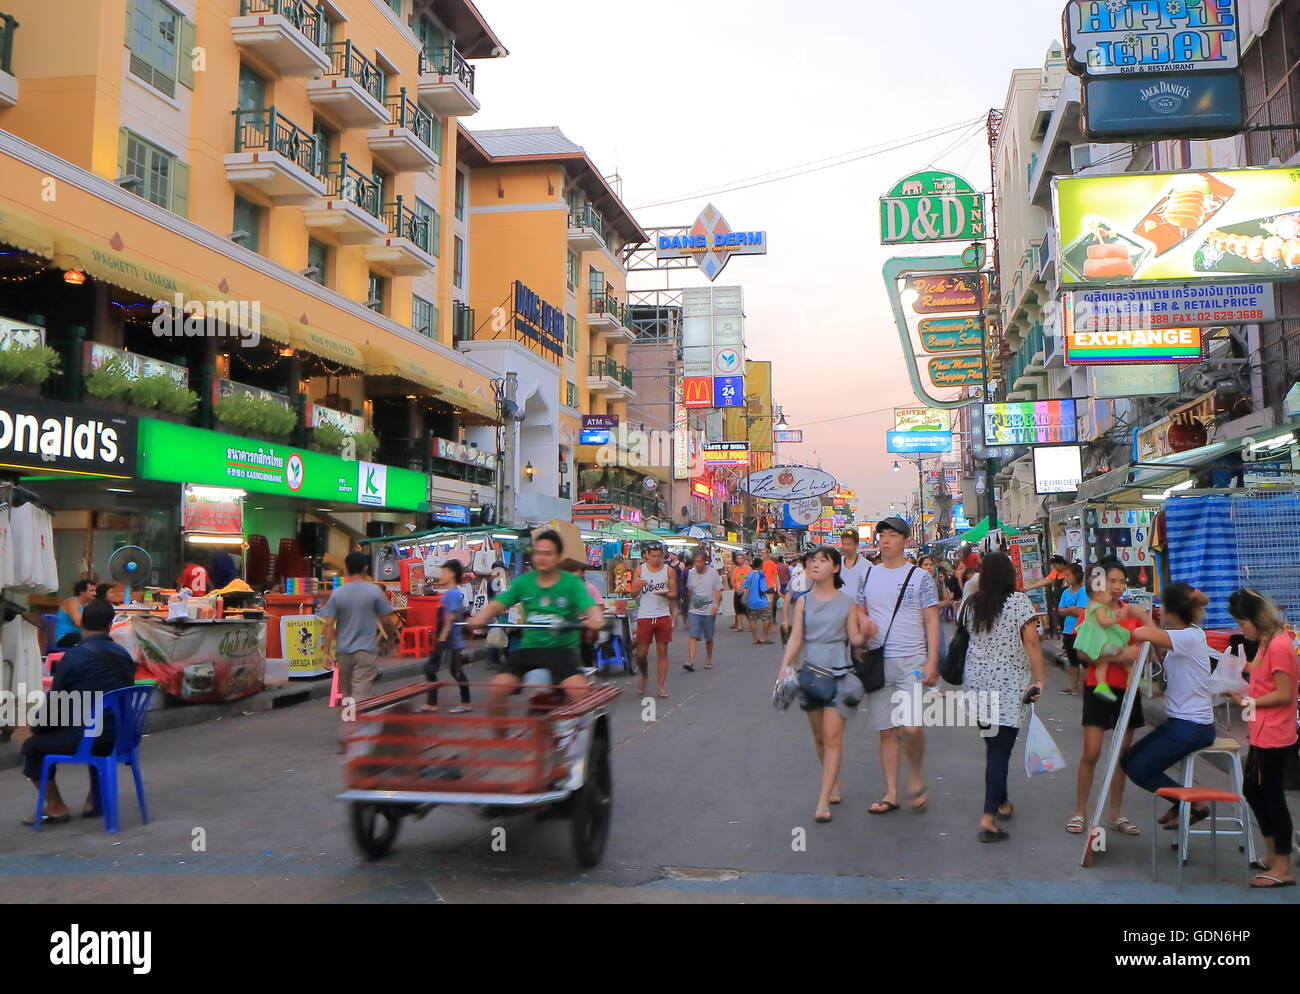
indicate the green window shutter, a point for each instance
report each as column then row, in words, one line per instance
column 121, row 151
column 185, row 67
column 437, row 137
column 437, row 235
column 130, row 15
column 181, row 189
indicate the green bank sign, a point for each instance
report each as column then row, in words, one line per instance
column 181, row 454
column 931, row 207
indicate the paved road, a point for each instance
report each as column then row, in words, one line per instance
column 708, row 800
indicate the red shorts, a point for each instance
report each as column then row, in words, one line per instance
column 654, row 630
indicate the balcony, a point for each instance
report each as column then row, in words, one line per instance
column 285, row 34
column 274, row 159
column 462, row 324
column 351, row 91
column 404, row 251
column 405, row 144
column 608, row 319
column 447, row 84
column 8, row 81
column 607, row 378
column 586, row 230
column 351, row 208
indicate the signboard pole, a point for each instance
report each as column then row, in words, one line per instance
column 990, row 464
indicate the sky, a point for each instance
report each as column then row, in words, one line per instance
column 686, row 98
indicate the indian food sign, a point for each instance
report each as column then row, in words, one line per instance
column 1147, row 227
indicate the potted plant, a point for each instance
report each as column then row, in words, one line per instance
column 256, row 416
column 162, row 395
column 328, row 438
column 25, row 368
column 366, row 442
column 110, row 385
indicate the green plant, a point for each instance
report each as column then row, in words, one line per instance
column 256, row 414
column 178, row 400
column 31, row 364
column 329, row 438
column 110, row 381
column 162, row 393
column 366, row 442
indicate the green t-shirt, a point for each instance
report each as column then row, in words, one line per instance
column 566, row 600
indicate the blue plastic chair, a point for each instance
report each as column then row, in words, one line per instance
column 130, row 709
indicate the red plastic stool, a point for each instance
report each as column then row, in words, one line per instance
column 1185, row 798
column 416, row 643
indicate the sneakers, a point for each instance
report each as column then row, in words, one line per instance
column 1103, row 691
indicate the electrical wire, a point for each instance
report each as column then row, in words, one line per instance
column 802, row 171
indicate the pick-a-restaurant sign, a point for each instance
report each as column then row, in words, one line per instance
column 1121, row 37
column 961, row 334
column 538, row 320
column 948, row 294
column 65, row 438
column 788, row 483
column 711, row 242
column 930, row 207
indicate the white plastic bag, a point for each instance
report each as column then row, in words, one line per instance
column 1041, row 754
column 1227, row 677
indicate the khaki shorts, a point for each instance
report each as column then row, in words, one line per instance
column 358, row 672
column 904, row 711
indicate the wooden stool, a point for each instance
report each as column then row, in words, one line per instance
column 1185, row 798
column 1231, row 748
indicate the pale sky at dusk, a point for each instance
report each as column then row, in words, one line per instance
column 685, row 96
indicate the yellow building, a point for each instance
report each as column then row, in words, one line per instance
column 545, row 233
column 298, row 156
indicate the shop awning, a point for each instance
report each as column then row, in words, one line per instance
column 449, row 381
column 458, row 395
column 385, row 360
column 980, row 531
column 123, row 269
column 23, row 231
column 329, row 347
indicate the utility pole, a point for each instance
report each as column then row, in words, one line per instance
column 509, row 448
column 920, row 497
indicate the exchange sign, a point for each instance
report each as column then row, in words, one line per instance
column 1141, row 227
column 930, row 207
column 1133, row 345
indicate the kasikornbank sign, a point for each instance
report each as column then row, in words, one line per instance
column 65, row 438
column 180, row 454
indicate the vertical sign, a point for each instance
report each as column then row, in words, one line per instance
column 681, row 434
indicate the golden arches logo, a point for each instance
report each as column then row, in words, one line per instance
column 698, row 392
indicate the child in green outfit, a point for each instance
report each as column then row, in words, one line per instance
column 1101, row 633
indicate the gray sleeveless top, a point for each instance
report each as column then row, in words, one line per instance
column 826, row 631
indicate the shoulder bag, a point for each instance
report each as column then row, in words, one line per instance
column 869, row 664
column 953, row 667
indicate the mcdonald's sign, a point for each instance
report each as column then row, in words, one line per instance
column 698, row 391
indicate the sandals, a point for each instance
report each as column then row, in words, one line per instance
column 1276, row 882
column 1001, row 835
column 1125, row 827
column 1008, row 815
column 1076, row 825
column 882, row 807
column 1197, row 816
column 822, row 817
column 920, row 801
column 49, row 820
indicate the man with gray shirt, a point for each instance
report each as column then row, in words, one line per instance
column 911, row 642
column 355, row 611
column 853, row 567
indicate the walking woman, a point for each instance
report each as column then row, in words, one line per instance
column 1270, row 711
column 1003, row 661
column 1188, row 701
column 825, row 626
column 1070, row 608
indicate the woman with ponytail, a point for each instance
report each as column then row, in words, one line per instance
column 1189, row 704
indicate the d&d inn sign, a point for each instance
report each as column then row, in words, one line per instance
column 538, row 320
column 931, row 206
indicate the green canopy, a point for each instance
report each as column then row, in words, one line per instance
column 630, row 533
column 981, row 531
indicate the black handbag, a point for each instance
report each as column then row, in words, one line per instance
column 817, row 684
column 953, row 667
column 869, row 664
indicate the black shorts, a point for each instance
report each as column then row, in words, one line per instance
column 563, row 663
column 1070, row 654
column 1101, row 713
column 741, row 607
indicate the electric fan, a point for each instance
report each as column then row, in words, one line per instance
column 129, row 565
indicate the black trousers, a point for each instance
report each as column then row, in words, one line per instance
column 455, row 665
column 45, row 741
column 1265, row 770
column 997, row 761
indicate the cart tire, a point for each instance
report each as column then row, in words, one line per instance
column 374, row 827
column 592, row 805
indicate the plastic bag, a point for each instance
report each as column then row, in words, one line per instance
column 1227, row 677
column 1041, row 754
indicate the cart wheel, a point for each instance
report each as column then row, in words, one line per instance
column 374, row 828
column 592, row 805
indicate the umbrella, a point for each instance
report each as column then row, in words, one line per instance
column 980, row 531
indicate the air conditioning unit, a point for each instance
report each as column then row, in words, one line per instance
column 1080, row 157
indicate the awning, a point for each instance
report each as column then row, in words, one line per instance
column 329, row 347
column 1159, row 474
column 457, row 395
column 123, row 269
column 393, row 360
column 980, row 531
column 21, row 230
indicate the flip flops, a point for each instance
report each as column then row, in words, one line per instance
column 1277, row 882
column 1001, row 835
column 1076, row 825
column 888, row 807
column 50, row 820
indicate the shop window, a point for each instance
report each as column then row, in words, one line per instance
column 570, row 334
column 162, row 178
column 161, row 41
column 460, row 195
column 318, row 259
column 571, row 394
column 247, row 219
column 573, row 271
column 458, row 263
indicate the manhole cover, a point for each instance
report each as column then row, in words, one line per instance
column 699, row 873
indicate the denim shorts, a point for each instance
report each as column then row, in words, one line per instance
column 702, row 625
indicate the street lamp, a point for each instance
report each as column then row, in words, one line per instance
column 897, row 468
column 529, row 471
column 783, row 423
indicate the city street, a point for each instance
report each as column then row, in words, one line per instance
column 708, row 799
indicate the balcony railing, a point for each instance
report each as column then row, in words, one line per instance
column 606, row 367
column 586, row 217
column 8, row 25
column 448, row 62
column 405, row 223
column 266, row 129
column 406, row 113
column 604, row 302
column 405, row 454
column 346, row 182
column 304, row 16
column 462, row 324
column 347, row 61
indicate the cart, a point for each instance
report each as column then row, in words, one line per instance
column 539, row 751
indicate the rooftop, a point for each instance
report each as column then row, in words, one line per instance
column 474, row 38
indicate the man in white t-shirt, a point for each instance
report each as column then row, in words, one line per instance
column 911, row 643
column 654, row 585
column 704, row 596
column 853, row 567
